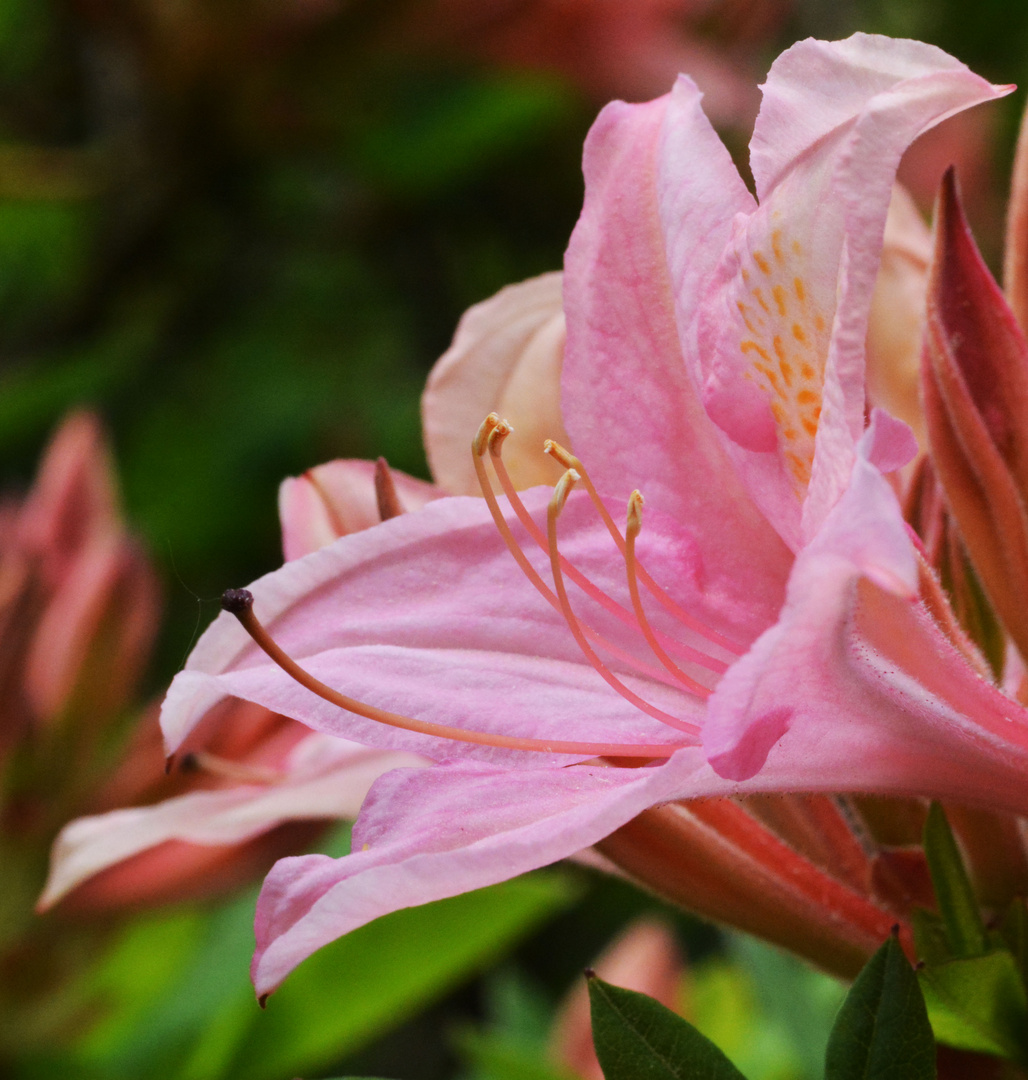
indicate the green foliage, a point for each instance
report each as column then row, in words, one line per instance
column 882, row 1031
column 177, row 1002
column 637, row 1038
column 958, row 906
column 978, row 1003
column 973, row 980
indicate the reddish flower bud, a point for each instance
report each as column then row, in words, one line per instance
column 976, row 404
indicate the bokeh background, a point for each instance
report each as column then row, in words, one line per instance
column 242, row 231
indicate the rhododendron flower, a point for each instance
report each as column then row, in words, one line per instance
column 251, row 785
column 758, row 629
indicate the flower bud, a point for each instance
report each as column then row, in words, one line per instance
column 975, row 378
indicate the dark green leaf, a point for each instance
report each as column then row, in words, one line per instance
column 957, row 903
column 882, row 1030
column 978, row 1003
column 637, row 1038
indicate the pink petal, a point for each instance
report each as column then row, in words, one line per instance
column 338, row 498
column 788, row 306
column 324, row 778
column 429, row 616
column 506, row 357
column 856, row 687
column 896, row 320
column 432, row 833
column 661, row 196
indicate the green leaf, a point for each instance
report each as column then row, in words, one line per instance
column 1014, row 932
column 957, row 903
column 882, row 1030
column 360, row 985
column 978, row 1003
column 637, row 1038
column 930, row 938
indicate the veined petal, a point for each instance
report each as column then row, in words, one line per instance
column 857, row 687
column 428, row 615
column 427, row 834
column 787, row 311
column 661, row 195
column 324, row 778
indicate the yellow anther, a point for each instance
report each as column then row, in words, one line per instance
column 559, row 453
column 635, row 520
column 564, row 487
column 478, row 445
column 500, row 432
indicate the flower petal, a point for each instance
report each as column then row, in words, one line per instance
column 428, row 615
column 338, row 498
column 856, row 687
column 427, row 834
column 325, row 778
column 788, row 307
column 506, row 357
column 661, row 195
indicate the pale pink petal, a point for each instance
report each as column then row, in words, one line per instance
column 506, row 357
column 788, row 307
column 427, row 834
column 336, row 499
column 428, row 615
column 323, row 778
column 661, row 196
column 856, row 687
column 897, row 315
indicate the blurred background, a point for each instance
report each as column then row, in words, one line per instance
column 241, row 231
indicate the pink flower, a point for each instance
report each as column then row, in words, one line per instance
column 251, row 785
column 714, row 358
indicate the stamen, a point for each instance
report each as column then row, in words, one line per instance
column 389, row 505
column 633, row 527
column 569, row 461
column 494, row 441
column 560, row 494
column 492, row 427
column 239, row 602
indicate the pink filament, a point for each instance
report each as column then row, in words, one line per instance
column 495, row 440
column 569, row 461
column 553, row 512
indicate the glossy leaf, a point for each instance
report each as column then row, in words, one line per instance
column 637, row 1038
column 978, row 1003
column 882, row 1030
column 953, row 892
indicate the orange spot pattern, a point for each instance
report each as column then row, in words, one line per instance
column 785, row 343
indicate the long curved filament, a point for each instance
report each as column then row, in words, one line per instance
column 560, row 495
column 240, row 603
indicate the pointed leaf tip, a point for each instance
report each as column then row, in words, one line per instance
column 637, row 1038
column 882, row 1030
